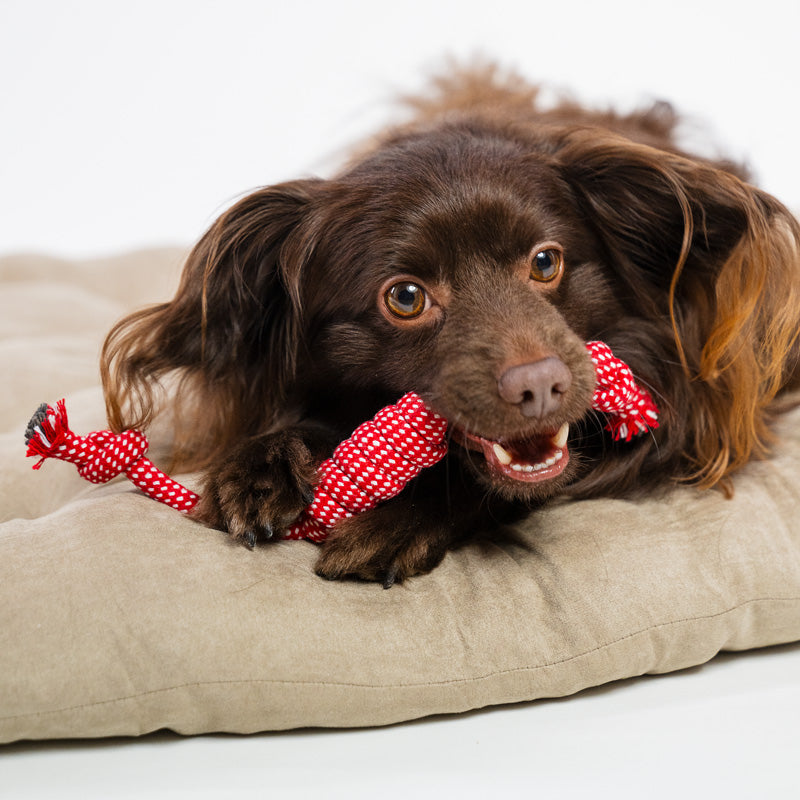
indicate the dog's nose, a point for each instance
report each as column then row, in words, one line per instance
column 536, row 387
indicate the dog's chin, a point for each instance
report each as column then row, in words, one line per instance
column 531, row 468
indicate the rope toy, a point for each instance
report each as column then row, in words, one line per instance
column 374, row 464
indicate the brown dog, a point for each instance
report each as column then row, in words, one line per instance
column 468, row 256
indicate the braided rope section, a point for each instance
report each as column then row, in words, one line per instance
column 374, row 464
column 102, row 455
column 629, row 407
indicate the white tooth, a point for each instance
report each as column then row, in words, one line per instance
column 559, row 455
column 537, row 467
column 560, row 439
column 503, row 456
column 528, row 468
column 550, row 461
column 516, row 467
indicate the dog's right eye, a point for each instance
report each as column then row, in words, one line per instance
column 405, row 299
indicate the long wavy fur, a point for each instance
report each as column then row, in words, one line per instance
column 706, row 263
column 735, row 315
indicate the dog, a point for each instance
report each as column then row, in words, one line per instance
column 468, row 254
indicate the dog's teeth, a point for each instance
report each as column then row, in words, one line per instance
column 538, row 467
column 560, row 439
column 517, row 467
column 503, row 456
column 528, row 468
column 550, row 461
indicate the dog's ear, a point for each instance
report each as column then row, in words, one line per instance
column 231, row 334
column 694, row 244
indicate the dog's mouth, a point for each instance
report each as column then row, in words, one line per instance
column 528, row 460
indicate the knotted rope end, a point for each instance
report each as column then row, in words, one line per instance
column 46, row 431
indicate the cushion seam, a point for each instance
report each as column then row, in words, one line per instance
column 392, row 686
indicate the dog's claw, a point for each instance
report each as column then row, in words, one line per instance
column 391, row 577
column 308, row 495
column 250, row 539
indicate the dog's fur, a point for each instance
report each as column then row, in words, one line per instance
column 280, row 340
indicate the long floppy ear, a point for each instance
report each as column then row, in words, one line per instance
column 695, row 245
column 229, row 337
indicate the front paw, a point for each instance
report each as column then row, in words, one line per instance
column 377, row 546
column 261, row 488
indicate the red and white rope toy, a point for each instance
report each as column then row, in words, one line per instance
column 373, row 465
column 629, row 407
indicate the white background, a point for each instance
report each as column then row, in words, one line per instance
column 128, row 125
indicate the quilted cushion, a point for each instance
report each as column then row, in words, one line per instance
column 119, row 616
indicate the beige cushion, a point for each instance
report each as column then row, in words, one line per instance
column 118, row 616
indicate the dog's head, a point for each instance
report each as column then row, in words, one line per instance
column 470, row 262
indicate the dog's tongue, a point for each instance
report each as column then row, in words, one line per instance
column 529, row 461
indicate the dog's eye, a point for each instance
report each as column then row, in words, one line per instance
column 547, row 265
column 405, row 299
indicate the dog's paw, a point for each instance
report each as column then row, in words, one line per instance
column 260, row 489
column 375, row 546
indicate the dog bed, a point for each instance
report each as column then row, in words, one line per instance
column 119, row 616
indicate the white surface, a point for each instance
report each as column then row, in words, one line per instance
column 727, row 729
column 134, row 124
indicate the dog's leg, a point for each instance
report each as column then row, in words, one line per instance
column 264, row 484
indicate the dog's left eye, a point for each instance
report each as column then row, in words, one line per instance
column 546, row 265
column 405, row 300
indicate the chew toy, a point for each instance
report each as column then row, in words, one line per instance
column 373, row 465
